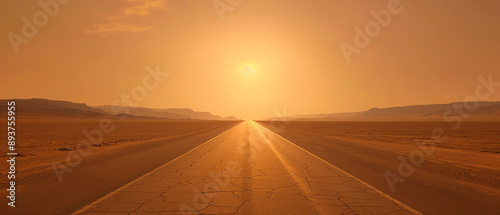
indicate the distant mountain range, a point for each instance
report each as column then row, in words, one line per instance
column 489, row 111
column 170, row 113
column 54, row 108
column 44, row 107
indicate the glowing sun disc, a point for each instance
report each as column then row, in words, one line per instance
column 249, row 69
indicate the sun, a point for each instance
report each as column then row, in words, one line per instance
column 249, row 69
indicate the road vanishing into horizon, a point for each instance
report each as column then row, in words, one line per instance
column 247, row 168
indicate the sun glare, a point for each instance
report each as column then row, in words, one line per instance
column 249, row 69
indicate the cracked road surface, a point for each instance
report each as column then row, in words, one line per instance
column 247, row 170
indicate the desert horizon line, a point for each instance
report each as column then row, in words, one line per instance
column 255, row 118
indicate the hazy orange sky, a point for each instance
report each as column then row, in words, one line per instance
column 93, row 51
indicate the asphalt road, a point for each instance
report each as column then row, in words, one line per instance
column 247, row 170
column 431, row 189
column 99, row 175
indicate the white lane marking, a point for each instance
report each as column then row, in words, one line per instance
column 357, row 179
column 319, row 147
column 147, row 174
column 288, row 168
